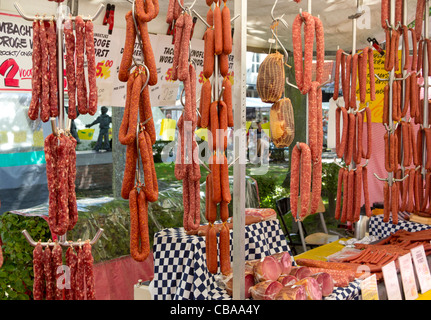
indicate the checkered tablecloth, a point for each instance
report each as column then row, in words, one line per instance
column 352, row 292
column 180, row 271
column 382, row 229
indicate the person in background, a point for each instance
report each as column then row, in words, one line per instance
column 104, row 121
column 259, row 132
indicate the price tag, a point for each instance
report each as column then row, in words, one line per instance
column 422, row 268
column 408, row 277
column 369, row 288
column 391, row 281
column 168, row 94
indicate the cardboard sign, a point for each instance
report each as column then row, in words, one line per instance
column 422, row 268
column 369, row 288
column 408, row 277
column 390, row 277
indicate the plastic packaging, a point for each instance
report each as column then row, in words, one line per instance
column 282, row 123
column 265, row 290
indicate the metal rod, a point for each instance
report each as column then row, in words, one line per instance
column 200, row 18
column 239, row 102
column 47, row 18
column 62, row 241
column 60, row 67
column 425, row 71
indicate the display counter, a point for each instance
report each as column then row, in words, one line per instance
column 353, row 291
column 180, row 270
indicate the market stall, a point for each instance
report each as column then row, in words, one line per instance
column 220, row 250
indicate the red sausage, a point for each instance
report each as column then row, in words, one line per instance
column 218, row 31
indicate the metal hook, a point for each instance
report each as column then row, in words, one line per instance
column 401, row 180
column 381, row 79
column 325, row 83
column 338, row 164
column 286, row 55
column 201, row 19
column 187, row 8
column 290, row 84
column 381, row 179
column 62, row 243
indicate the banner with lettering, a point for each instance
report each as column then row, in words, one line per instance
column 16, row 48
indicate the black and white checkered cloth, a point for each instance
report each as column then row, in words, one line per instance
column 382, row 229
column 180, row 271
column 352, row 292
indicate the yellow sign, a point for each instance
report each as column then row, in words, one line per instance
column 376, row 106
column 3, row 137
column 202, row 133
column 19, row 136
column 266, row 128
column 86, row 134
column 248, row 125
column 38, row 138
column 167, row 129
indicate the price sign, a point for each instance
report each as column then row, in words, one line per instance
column 391, row 281
column 168, row 93
column 369, row 288
column 408, row 277
column 422, row 268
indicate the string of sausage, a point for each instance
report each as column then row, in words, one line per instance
column 44, row 77
column 139, row 145
column 217, row 116
column 36, row 80
column 300, row 177
column 303, row 64
column 50, row 283
column 61, row 172
column 70, row 67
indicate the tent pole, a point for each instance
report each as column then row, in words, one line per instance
column 240, row 52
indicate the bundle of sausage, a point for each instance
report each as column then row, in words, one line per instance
column 60, row 158
column 217, row 45
column 44, row 101
column 406, row 240
column 349, row 138
column 309, row 157
column 352, row 184
column 218, row 189
column 187, row 167
column 139, row 139
column 403, row 150
column 50, row 283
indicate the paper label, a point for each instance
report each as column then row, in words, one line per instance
column 422, row 268
column 390, row 277
column 408, row 277
column 369, row 288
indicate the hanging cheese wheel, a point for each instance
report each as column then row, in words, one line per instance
column 282, row 123
column 270, row 79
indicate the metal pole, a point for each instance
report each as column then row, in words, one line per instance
column 239, row 101
column 60, row 67
column 426, row 85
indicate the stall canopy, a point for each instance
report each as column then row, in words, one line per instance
column 333, row 13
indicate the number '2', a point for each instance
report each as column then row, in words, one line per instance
column 9, row 80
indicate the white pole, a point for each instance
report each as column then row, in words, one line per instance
column 239, row 102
